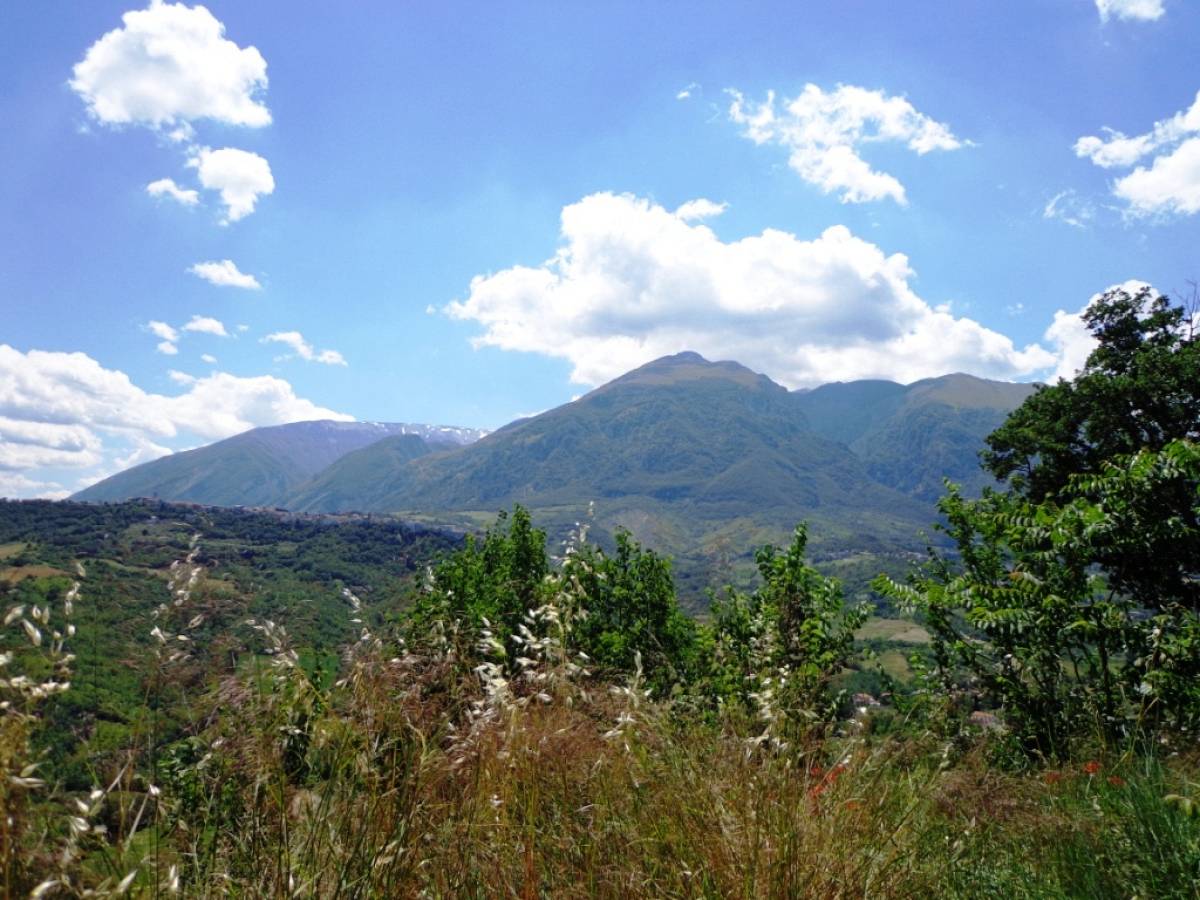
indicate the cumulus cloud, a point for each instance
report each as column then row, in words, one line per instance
column 167, row 348
column 65, row 409
column 206, row 325
column 168, row 66
column 208, row 358
column 823, row 133
column 225, row 274
column 166, row 187
column 240, row 176
column 1141, row 10
column 632, row 281
column 303, row 349
column 1171, row 183
column 27, row 445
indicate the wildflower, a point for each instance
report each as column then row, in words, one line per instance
column 1091, row 767
column 1052, row 777
column 1116, row 781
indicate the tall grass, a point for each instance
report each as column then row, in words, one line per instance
column 437, row 771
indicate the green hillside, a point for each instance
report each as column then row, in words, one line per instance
column 340, row 485
column 911, row 437
column 691, row 456
column 256, row 468
column 286, row 568
column 694, row 457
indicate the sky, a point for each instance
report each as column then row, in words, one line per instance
column 239, row 214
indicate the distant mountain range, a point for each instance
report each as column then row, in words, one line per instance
column 263, row 466
column 702, row 460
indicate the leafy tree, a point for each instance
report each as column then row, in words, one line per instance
column 1071, row 601
column 499, row 578
column 1139, row 388
column 1041, row 631
column 632, row 611
column 780, row 647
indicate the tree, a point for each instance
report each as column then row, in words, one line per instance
column 632, row 612
column 1139, row 391
column 500, row 578
column 1060, row 645
column 1140, row 388
column 780, row 648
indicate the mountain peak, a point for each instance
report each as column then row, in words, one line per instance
column 691, row 366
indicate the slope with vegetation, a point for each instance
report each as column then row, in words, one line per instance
column 262, row 466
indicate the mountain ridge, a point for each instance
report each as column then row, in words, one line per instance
column 260, row 466
column 692, row 456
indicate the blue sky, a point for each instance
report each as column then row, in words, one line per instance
column 459, row 214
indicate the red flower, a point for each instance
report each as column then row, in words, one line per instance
column 1052, row 777
column 853, row 805
column 1116, row 781
column 816, row 772
column 1091, row 767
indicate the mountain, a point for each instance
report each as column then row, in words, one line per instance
column 690, row 455
column 696, row 458
column 912, row 436
column 261, row 467
column 348, row 480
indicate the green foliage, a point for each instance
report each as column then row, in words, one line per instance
column 624, row 612
column 632, row 613
column 1140, row 388
column 779, row 648
column 493, row 582
column 1071, row 600
column 1038, row 610
column 278, row 566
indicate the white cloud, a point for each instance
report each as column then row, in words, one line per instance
column 1142, row 10
column 1171, row 184
column 206, row 325
column 181, row 377
column 168, row 66
column 302, row 348
column 162, row 330
column 166, row 187
column 823, row 133
column 26, row 445
column 687, row 92
column 17, row 486
column 700, row 209
column 240, row 175
column 208, row 358
column 167, row 348
column 1066, row 206
column 142, row 451
column 632, row 282
column 225, row 274
column 65, row 409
